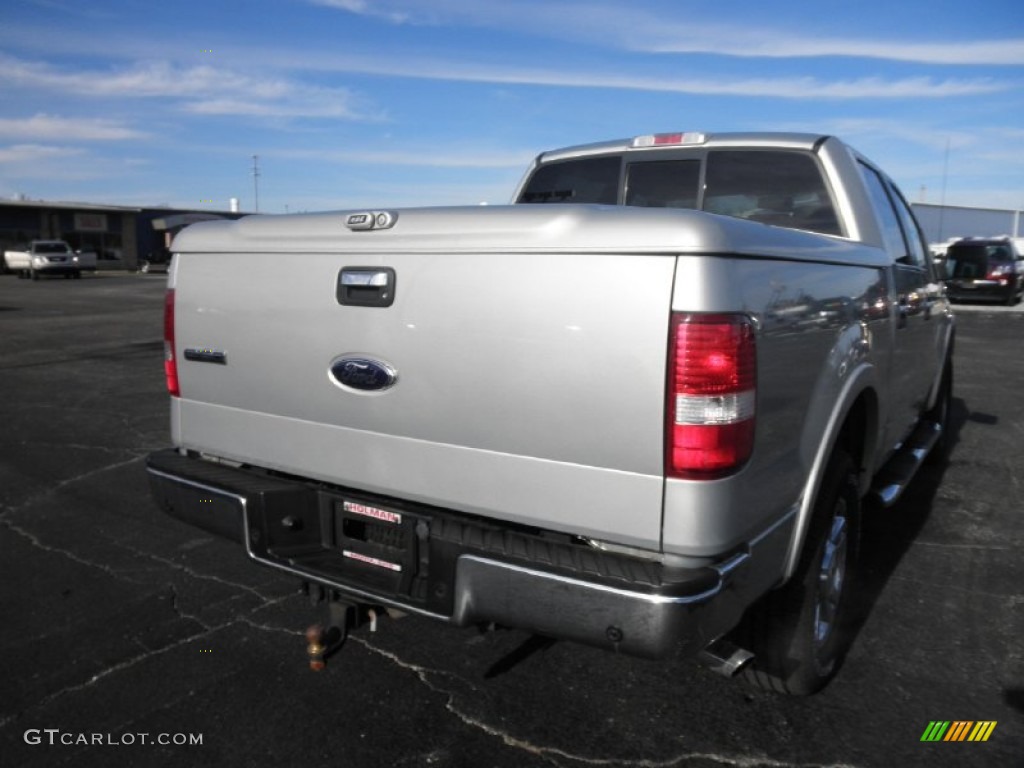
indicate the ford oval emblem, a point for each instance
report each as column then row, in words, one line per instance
column 363, row 374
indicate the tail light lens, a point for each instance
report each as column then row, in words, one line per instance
column 1000, row 272
column 170, row 360
column 712, row 393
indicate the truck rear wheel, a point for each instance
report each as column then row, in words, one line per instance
column 798, row 633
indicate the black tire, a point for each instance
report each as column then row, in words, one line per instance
column 799, row 633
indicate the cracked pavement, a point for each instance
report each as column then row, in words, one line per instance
column 119, row 620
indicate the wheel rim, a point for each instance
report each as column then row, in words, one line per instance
column 831, row 577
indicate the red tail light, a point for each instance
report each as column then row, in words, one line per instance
column 712, row 392
column 170, row 360
column 1000, row 272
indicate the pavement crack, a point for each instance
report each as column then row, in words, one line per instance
column 269, row 628
column 150, row 653
column 36, row 542
column 191, row 571
column 60, row 485
column 182, row 613
column 983, row 547
column 1012, row 598
column 91, row 473
column 560, row 757
column 74, row 446
column 111, row 670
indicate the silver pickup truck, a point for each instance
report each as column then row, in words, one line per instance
column 641, row 408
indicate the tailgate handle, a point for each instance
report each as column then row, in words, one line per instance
column 366, row 287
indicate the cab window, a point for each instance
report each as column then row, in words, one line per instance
column 586, row 180
column 664, row 184
column 784, row 188
column 917, row 248
column 892, row 233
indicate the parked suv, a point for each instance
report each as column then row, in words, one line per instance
column 985, row 268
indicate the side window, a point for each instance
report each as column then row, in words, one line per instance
column 892, row 233
column 917, row 245
column 588, row 180
column 663, row 184
column 780, row 187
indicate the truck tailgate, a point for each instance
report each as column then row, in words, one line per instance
column 529, row 384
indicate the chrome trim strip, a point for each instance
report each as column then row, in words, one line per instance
column 729, row 567
column 580, row 584
column 196, row 484
column 786, row 518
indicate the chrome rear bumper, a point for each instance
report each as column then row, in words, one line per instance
column 452, row 567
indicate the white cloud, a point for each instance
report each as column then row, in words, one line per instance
column 364, row 8
column 887, row 131
column 430, row 157
column 211, row 90
column 32, row 153
column 352, row 6
column 200, row 89
column 290, row 108
column 799, row 88
column 52, row 127
column 778, row 44
column 632, row 27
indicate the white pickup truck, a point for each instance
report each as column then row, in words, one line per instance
column 640, row 408
column 49, row 257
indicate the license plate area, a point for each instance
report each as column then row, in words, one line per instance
column 382, row 546
column 346, row 539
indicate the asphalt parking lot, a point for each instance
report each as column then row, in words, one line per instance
column 118, row 621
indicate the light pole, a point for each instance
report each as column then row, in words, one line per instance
column 945, row 176
column 256, row 180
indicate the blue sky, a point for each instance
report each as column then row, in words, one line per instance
column 360, row 103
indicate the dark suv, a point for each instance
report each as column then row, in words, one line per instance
column 984, row 268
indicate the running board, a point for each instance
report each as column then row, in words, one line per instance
column 895, row 476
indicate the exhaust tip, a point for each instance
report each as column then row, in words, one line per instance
column 725, row 658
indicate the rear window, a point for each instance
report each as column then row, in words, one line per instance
column 781, row 188
column 664, row 184
column 784, row 188
column 970, row 260
column 588, row 180
column 51, row 248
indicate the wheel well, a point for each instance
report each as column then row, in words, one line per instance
column 860, row 431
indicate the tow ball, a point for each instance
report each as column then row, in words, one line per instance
column 322, row 641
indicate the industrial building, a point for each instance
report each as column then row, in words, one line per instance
column 120, row 236
column 942, row 223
